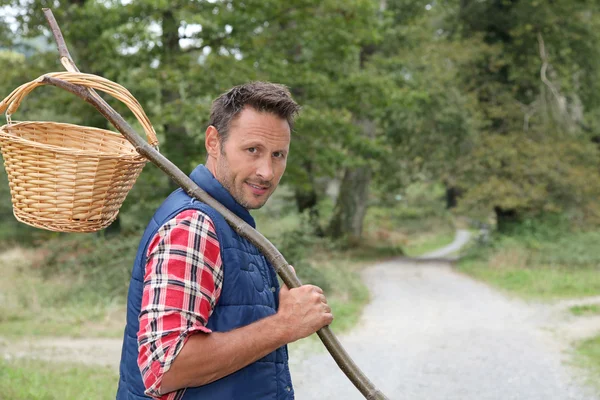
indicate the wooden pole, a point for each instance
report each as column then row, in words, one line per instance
column 339, row 354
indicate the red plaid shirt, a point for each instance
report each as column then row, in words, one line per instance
column 182, row 284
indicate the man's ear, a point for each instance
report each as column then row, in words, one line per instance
column 211, row 141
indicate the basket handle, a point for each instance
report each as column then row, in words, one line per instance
column 12, row 102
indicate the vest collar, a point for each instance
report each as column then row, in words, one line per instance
column 205, row 179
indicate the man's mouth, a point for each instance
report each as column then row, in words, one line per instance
column 258, row 189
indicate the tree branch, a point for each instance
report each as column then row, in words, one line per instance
column 528, row 111
column 63, row 51
column 553, row 89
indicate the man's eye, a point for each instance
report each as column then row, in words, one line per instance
column 278, row 154
column 252, row 150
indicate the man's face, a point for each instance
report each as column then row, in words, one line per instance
column 253, row 158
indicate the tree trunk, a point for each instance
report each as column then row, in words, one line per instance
column 306, row 196
column 352, row 202
column 178, row 144
column 351, row 205
column 306, row 199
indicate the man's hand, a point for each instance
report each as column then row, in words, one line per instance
column 303, row 310
column 206, row 357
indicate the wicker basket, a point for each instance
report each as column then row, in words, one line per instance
column 65, row 177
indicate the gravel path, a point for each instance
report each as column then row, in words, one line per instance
column 431, row 333
column 462, row 237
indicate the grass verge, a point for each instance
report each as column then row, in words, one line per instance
column 540, row 282
column 544, row 261
column 588, row 356
column 345, row 290
column 73, row 286
column 38, row 380
column 539, row 261
column 589, row 309
column 429, row 242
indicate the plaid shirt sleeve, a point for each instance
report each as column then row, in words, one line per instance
column 182, row 284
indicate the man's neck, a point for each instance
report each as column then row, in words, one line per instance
column 211, row 166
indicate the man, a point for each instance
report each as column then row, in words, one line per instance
column 206, row 318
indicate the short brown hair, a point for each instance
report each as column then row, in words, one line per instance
column 262, row 96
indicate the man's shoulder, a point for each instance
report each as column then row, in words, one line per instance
column 192, row 215
column 184, row 228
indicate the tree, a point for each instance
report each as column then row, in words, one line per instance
column 535, row 80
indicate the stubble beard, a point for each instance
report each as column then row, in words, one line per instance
column 228, row 183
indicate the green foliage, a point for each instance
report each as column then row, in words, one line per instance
column 417, row 208
column 68, row 285
column 42, row 380
column 551, row 241
column 296, row 246
column 430, row 243
column 452, row 90
column 540, row 282
column 350, row 297
column 532, row 154
column 89, row 258
column 543, row 258
column 577, row 249
column 534, row 175
column 589, row 309
column 589, row 356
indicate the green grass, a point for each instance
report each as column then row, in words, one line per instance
column 40, row 380
column 537, row 282
column 589, row 309
column 428, row 243
column 102, row 320
column 67, row 288
column 543, row 261
column 347, row 294
column 588, row 356
column 416, row 229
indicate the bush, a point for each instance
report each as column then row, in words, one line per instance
column 551, row 241
column 296, row 246
column 101, row 265
column 14, row 233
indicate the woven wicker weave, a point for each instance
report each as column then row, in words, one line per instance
column 65, row 177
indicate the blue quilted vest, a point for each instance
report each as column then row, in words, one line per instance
column 250, row 292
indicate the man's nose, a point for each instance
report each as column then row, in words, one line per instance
column 265, row 170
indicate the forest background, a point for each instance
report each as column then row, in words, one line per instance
column 417, row 117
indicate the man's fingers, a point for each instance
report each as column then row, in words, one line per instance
column 316, row 289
